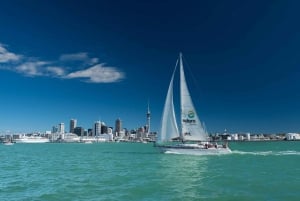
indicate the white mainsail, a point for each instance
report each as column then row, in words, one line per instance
column 191, row 127
column 169, row 128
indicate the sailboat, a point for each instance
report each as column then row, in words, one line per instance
column 192, row 137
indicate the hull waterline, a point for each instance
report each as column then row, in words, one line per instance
column 193, row 150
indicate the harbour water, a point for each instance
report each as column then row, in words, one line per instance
column 136, row 171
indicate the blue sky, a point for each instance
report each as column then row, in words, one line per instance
column 103, row 60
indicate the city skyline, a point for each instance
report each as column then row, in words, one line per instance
column 104, row 60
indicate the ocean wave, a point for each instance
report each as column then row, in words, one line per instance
column 267, row 153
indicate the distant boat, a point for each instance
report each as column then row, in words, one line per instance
column 193, row 138
column 8, row 142
column 32, row 139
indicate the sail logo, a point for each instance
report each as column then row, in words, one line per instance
column 191, row 114
column 190, row 121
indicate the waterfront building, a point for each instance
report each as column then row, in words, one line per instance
column 89, row 132
column 79, row 131
column 97, row 128
column 61, row 128
column 71, row 137
column 54, row 129
column 248, row 136
column 73, row 125
column 292, row 136
column 85, row 133
column 118, row 127
column 104, row 128
column 109, row 130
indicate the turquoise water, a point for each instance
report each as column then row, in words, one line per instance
column 134, row 171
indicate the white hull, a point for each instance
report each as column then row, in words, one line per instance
column 32, row 140
column 192, row 149
column 8, row 143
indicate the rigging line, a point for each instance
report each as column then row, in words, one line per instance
column 176, row 65
column 197, row 98
column 194, row 80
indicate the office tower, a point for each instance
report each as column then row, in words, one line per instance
column 103, row 128
column 61, row 128
column 97, row 128
column 79, row 131
column 73, row 124
column 90, row 132
column 118, row 126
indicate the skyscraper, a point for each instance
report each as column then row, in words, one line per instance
column 103, row 128
column 79, row 131
column 97, row 128
column 118, row 126
column 61, row 128
column 73, row 124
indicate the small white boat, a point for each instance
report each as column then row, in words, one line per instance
column 193, row 137
column 8, row 143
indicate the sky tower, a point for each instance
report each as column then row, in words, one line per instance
column 148, row 120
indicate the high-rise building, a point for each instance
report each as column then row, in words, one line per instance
column 79, row 131
column 97, row 128
column 61, row 128
column 90, row 132
column 103, row 128
column 54, row 129
column 73, row 124
column 118, row 126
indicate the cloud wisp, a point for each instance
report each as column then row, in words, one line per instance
column 31, row 68
column 98, row 74
column 6, row 56
column 92, row 72
column 81, row 56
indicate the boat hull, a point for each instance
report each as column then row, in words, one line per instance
column 8, row 143
column 193, row 150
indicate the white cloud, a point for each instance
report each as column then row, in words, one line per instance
column 6, row 56
column 93, row 61
column 56, row 71
column 39, row 68
column 81, row 56
column 98, row 74
column 32, row 67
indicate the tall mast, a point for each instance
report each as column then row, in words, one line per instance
column 181, row 78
